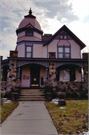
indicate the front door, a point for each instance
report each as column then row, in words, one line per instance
column 35, row 75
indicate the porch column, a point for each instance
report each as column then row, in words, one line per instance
column 46, row 73
column 82, row 75
column 18, row 72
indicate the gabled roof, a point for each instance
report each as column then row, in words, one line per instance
column 69, row 32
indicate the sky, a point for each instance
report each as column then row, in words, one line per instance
column 51, row 14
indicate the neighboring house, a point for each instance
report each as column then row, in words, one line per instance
column 38, row 57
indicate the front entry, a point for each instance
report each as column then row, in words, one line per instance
column 35, row 73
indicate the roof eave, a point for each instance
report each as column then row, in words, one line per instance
column 24, row 28
column 70, row 32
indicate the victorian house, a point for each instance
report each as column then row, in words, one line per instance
column 39, row 56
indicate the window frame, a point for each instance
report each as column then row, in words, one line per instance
column 65, row 36
column 28, row 31
column 64, row 52
column 60, row 52
column 62, row 37
column 30, row 52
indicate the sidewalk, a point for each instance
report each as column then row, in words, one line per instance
column 30, row 117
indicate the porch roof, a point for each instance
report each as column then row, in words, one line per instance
column 47, row 59
column 5, row 62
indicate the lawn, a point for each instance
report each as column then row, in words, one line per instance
column 70, row 119
column 7, row 109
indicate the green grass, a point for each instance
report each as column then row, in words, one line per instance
column 7, row 109
column 73, row 119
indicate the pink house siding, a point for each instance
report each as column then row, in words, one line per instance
column 21, row 34
column 37, row 35
column 25, row 76
column 39, row 51
column 52, row 47
column 21, row 50
column 27, row 39
column 75, row 50
column 63, row 42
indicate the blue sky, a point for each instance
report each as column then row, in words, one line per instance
column 51, row 14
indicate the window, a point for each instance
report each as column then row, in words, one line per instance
column 29, row 33
column 60, row 52
column 67, row 52
column 65, row 75
column 28, row 51
column 64, row 52
column 63, row 36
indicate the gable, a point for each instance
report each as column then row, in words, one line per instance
column 70, row 35
column 63, row 35
column 29, row 26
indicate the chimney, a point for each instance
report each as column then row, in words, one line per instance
column 13, row 54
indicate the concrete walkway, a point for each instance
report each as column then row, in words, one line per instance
column 30, row 117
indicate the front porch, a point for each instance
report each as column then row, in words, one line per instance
column 33, row 72
column 69, row 72
column 32, row 75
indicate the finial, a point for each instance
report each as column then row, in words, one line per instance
column 30, row 12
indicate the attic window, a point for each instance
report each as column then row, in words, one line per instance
column 29, row 33
column 63, row 37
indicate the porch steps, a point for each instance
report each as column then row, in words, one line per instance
column 32, row 95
